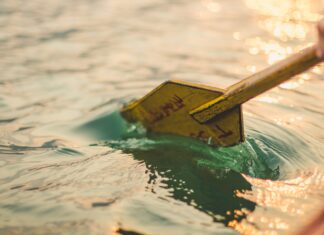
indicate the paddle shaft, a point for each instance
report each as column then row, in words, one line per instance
column 258, row 83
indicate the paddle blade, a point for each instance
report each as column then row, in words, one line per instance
column 166, row 110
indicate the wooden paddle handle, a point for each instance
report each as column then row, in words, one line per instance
column 273, row 76
column 279, row 72
column 262, row 81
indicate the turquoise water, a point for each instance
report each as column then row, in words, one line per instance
column 69, row 164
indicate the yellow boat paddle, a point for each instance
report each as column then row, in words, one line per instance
column 211, row 114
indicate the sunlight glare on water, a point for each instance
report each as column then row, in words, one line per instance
column 69, row 164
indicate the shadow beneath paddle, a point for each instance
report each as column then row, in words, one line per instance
column 190, row 174
column 203, row 176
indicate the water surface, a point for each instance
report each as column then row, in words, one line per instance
column 70, row 164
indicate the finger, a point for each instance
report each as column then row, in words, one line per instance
column 320, row 44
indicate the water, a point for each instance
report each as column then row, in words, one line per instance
column 70, row 164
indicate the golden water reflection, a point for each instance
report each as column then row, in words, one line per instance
column 212, row 5
column 287, row 26
column 288, row 19
column 286, row 199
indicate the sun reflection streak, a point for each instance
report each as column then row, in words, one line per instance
column 273, row 49
column 293, row 84
column 288, row 22
column 268, row 99
column 287, row 26
column 281, row 197
column 284, row 20
column 212, row 5
column 289, row 9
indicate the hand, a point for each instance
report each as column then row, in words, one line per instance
column 320, row 44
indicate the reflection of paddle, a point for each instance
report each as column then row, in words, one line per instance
column 211, row 114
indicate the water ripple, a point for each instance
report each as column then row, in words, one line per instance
column 70, row 164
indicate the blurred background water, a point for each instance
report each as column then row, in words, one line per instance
column 70, row 164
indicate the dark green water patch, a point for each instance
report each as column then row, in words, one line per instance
column 104, row 127
column 203, row 176
column 253, row 157
column 190, row 174
column 245, row 158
